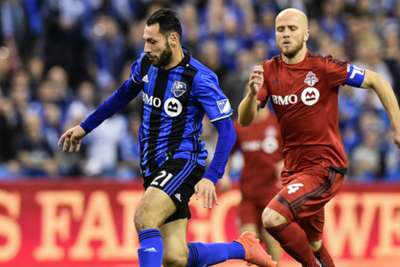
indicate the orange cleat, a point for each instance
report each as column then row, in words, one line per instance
column 254, row 253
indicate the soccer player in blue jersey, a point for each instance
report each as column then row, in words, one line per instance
column 177, row 91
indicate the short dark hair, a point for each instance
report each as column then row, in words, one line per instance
column 167, row 20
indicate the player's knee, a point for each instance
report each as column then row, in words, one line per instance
column 144, row 220
column 316, row 245
column 175, row 259
column 271, row 218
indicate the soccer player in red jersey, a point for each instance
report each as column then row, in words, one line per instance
column 261, row 146
column 303, row 89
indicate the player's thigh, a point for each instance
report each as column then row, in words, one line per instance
column 152, row 210
column 306, row 193
column 175, row 245
column 313, row 225
column 167, row 194
column 177, row 178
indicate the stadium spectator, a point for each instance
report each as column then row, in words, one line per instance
column 35, row 154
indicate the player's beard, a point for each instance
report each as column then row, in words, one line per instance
column 291, row 53
column 165, row 57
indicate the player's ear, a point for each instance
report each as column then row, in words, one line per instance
column 306, row 35
column 173, row 39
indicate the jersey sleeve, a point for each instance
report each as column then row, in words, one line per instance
column 336, row 71
column 236, row 146
column 136, row 70
column 209, row 94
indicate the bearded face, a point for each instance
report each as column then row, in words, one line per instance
column 290, row 48
column 164, row 57
column 156, row 46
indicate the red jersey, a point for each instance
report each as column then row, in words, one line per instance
column 305, row 98
column 260, row 144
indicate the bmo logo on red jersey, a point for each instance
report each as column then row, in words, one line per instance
column 284, row 100
column 309, row 97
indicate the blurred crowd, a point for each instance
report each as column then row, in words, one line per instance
column 60, row 58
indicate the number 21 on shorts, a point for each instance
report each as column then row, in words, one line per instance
column 162, row 178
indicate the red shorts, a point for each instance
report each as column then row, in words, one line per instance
column 304, row 195
column 250, row 209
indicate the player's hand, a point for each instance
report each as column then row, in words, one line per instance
column 396, row 137
column 256, row 79
column 71, row 140
column 205, row 189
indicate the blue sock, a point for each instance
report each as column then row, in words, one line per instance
column 151, row 248
column 203, row 254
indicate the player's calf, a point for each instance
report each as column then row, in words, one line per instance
column 289, row 234
column 323, row 256
column 151, row 212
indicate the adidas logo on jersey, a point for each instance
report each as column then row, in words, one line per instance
column 145, row 78
column 178, row 197
column 152, row 249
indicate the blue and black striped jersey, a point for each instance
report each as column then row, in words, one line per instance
column 174, row 104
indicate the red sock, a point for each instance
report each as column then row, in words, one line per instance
column 323, row 256
column 294, row 241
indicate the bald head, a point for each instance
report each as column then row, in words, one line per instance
column 294, row 14
column 291, row 33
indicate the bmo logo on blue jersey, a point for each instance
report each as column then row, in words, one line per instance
column 151, row 100
column 173, row 107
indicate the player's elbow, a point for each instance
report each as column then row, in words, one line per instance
column 374, row 80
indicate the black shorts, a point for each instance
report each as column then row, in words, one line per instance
column 177, row 178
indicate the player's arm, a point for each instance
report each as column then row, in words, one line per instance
column 248, row 106
column 127, row 91
column 225, row 182
column 208, row 93
column 385, row 93
column 225, row 142
column 71, row 140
